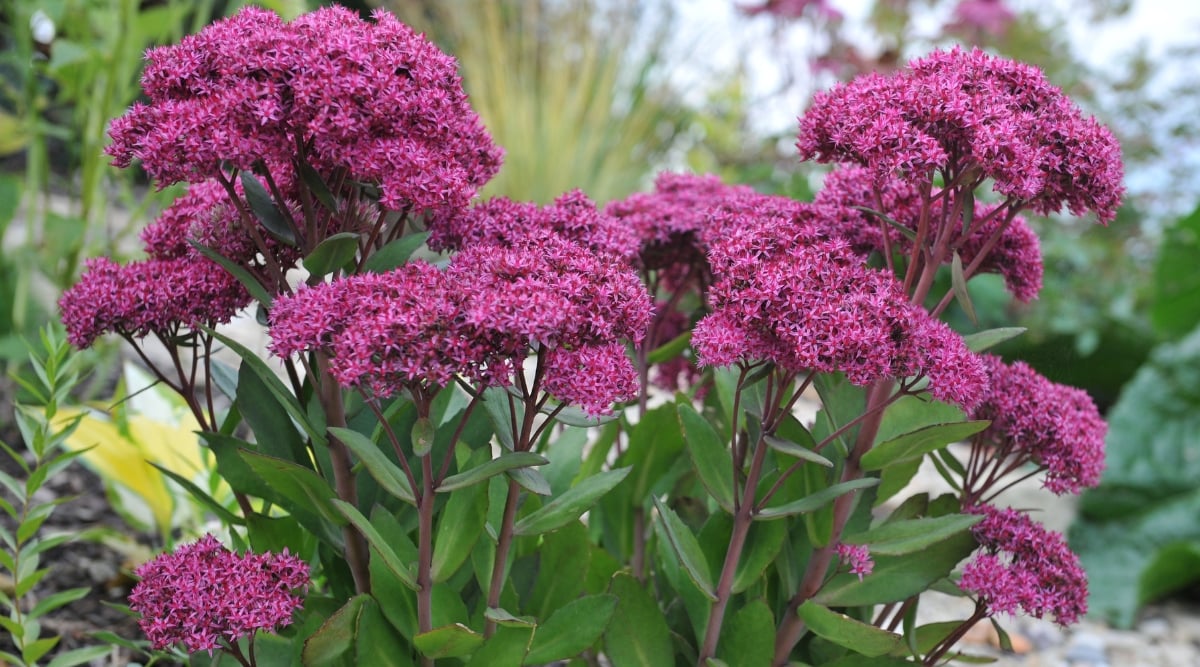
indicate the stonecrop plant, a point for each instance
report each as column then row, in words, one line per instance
column 498, row 433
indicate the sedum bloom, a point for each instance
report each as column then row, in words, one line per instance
column 788, row 292
column 967, row 117
column 501, row 221
column 1036, row 420
column 1016, row 255
column 372, row 100
column 204, row 596
column 857, row 557
column 153, row 296
column 1022, row 566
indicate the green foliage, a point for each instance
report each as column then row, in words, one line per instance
column 25, row 546
column 1138, row 527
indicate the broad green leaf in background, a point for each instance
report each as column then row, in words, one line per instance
column 571, row 504
column 1134, row 528
column 638, row 634
column 710, row 455
column 895, row 578
column 687, row 549
column 748, row 638
column 1176, row 307
column 449, row 641
column 845, row 631
column 572, row 629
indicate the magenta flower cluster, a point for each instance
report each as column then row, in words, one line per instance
column 857, row 557
column 372, row 100
column 1024, row 567
column 1016, row 255
column 501, row 221
column 968, row 117
column 788, row 292
column 479, row 317
column 1035, row 420
column 205, row 597
column 672, row 222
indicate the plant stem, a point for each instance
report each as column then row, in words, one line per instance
column 792, row 627
column 425, row 548
column 733, row 554
column 343, row 479
column 503, row 544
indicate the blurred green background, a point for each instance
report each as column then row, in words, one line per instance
column 603, row 94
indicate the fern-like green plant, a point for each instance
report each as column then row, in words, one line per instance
column 24, row 542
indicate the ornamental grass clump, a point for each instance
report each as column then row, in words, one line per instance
column 454, row 428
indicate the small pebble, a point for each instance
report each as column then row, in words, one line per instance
column 1087, row 649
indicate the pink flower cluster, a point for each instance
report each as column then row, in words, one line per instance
column 501, row 221
column 383, row 331
column 1023, row 566
column 373, row 100
column 672, row 222
column 479, row 317
column 1033, row 419
column 204, row 596
column 857, row 557
column 789, row 293
column 968, row 116
column 1016, row 256
column 153, row 296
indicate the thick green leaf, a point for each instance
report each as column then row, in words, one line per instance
column 748, row 638
column 908, row 232
column 389, row 475
column 958, row 283
column 845, row 631
column 897, row 538
column 55, row 600
column 316, row 185
column 763, row 543
column 1176, row 307
column 274, row 431
column 506, row 648
column 687, row 549
column 573, row 416
column 239, row 273
column 638, row 635
column 570, row 505
column 985, row 340
column 801, row 451
column 395, row 253
column 449, row 641
column 567, row 549
column 710, row 455
column 332, row 254
column 283, row 396
column 302, row 488
column 460, row 524
column 918, row 443
column 423, row 434
column 655, row 443
column 334, row 641
column 841, row 403
column 1148, row 501
column 203, row 498
column 531, row 480
column 896, row 578
column 506, row 462
column 379, row 545
column 895, row 478
column 572, row 629
column 815, row 501
column 263, row 206
column 376, row 642
column 670, row 349
column 80, row 656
